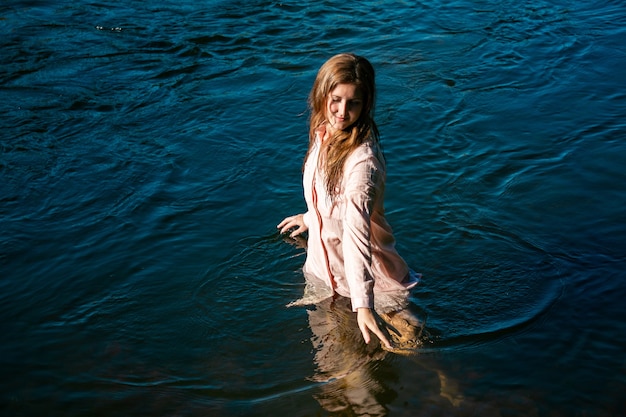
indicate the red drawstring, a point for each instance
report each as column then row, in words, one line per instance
column 319, row 218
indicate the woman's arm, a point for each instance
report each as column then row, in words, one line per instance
column 362, row 185
column 359, row 194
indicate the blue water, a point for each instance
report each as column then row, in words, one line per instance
column 148, row 149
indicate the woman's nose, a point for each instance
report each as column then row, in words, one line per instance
column 342, row 109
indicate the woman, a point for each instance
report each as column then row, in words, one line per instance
column 350, row 246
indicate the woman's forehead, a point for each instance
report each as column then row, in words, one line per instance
column 345, row 90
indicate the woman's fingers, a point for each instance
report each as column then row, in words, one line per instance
column 286, row 224
column 291, row 222
column 301, row 229
column 289, row 225
column 365, row 332
column 382, row 337
column 367, row 321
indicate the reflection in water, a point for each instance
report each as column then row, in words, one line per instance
column 349, row 369
column 344, row 361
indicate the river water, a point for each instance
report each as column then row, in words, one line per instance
column 148, row 149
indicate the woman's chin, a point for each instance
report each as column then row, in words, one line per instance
column 343, row 125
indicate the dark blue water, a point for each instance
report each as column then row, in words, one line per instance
column 148, row 149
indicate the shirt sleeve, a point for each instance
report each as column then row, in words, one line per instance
column 306, row 218
column 360, row 191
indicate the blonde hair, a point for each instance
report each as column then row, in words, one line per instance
column 342, row 69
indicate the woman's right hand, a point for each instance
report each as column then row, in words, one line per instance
column 366, row 318
column 291, row 222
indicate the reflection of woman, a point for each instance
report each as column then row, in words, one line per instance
column 349, row 371
column 350, row 244
column 344, row 365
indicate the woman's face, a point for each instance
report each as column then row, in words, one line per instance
column 343, row 106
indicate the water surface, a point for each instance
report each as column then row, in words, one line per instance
column 147, row 152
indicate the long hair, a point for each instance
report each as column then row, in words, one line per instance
column 342, row 69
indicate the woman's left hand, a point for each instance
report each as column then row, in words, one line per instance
column 366, row 318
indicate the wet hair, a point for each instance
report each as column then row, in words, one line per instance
column 342, row 69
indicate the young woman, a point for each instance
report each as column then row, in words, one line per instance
column 350, row 245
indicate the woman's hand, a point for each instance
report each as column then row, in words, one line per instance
column 291, row 222
column 366, row 318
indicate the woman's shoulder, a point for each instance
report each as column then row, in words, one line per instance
column 365, row 167
column 367, row 152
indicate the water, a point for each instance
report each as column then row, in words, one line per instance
column 148, row 150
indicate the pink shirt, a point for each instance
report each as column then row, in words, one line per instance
column 350, row 245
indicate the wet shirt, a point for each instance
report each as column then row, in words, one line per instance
column 350, row 245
